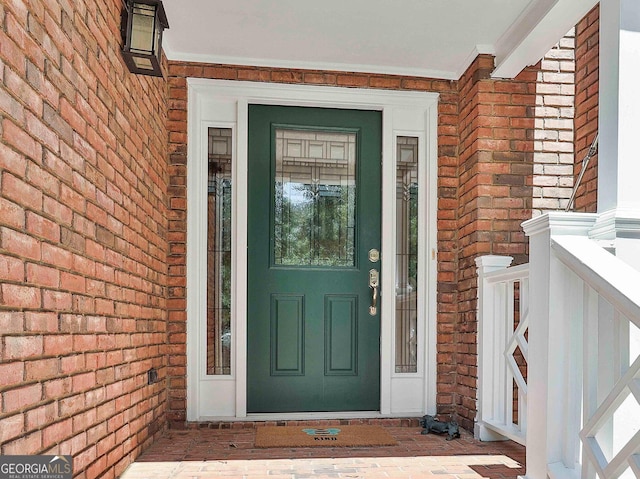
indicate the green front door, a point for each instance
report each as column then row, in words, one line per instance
column 314, row 217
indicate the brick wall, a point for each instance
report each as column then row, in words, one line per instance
column 586, row 117
column 496, row 122
column 83, row 238
column 553, row 147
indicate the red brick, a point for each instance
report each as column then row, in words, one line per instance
column 72, row 364
column 12, row 322
column 45, row 414
column 43, row 275
column 12, row 426
column 21, row 90
column 58, row 344
column 82, row 146
column 85, row 266
column 42, row 369
column 21, row 398
column 72, row 199
column 352, row 80
column 18, row 10
column 12, row 214
column 56, row 432
column 84, row 187
column 72, row 117
column 21, row 192
column 17, row 296
column 57, row 256
column 57, row 210
column 72, row 282
column 96, row 469
column 320, row 78
column 29, row 444
column 11, row 53
column 57, row 300
column 41, row 322
column 85, row 342
column 13, row 161
column 42, row 133
column 420, row 84
column 56, row 388
column 43, row 227
column 12, row 373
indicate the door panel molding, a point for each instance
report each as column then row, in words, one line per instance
column 222, row 103
column 287, row 334
column 341, row 332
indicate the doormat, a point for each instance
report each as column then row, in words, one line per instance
column 332, row 436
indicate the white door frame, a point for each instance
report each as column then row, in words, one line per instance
column 224, row 104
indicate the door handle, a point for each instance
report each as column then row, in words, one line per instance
column 374, row 278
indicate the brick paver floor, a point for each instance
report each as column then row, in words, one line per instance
column 229, row 453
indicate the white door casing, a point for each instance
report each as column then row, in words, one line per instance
column 224, row 104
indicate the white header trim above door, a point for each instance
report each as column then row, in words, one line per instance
column 222, row 103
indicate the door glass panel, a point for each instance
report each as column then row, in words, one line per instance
column 315, row 198
column 406, row 254
column 219, row 252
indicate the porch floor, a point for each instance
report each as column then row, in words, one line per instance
column 228, row 451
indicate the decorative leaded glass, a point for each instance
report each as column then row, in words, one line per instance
column 406, row 350
column 219, row 252
column 315, row 198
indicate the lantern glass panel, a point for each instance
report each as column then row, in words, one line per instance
column 143, row 27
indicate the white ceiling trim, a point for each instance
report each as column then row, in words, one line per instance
column 316, row 66
column 535, row 32
column 297, row 65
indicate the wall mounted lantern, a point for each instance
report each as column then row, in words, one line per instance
column 142, row 24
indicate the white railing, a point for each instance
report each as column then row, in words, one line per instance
column 602, row 361
column 582, row 388
column 503, row 321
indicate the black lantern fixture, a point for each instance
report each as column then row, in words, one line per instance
column 142, row 24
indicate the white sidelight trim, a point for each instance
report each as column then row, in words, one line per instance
column 225, row 103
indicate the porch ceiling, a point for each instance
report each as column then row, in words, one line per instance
column 433, row 38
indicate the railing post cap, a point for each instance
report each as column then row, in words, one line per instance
column 560, row 223
column 493, row 262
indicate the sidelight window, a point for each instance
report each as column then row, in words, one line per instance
column 406, row 323
column 219, row 251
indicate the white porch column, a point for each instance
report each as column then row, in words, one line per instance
column 547, row 348
column 619, row 125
